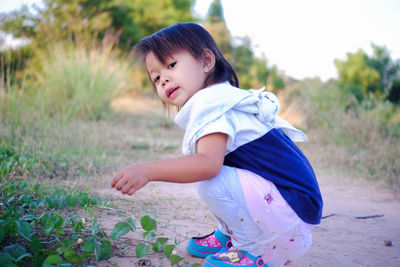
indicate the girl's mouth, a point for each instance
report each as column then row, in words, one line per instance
column 170, row 91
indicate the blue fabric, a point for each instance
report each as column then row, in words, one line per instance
column 276, row 158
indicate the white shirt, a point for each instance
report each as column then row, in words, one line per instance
column 243, row 115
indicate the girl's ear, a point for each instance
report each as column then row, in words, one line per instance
column 208, row 60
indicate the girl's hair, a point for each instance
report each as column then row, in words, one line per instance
column 192, row 38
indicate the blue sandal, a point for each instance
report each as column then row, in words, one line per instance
column 234, row 257
column 209, row 244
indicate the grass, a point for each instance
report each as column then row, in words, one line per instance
column 368, row 133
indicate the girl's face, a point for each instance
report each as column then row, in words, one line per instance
column 179, row 78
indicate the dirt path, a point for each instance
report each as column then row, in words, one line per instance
column 341, row 239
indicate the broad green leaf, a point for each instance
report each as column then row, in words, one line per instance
column 71, row 256
column 148, row 223
column 52, row 260
column 168, row 250
column 156, row 246
column 91, row 213
column 51, row 202
column 89, row 246
column 6, row 259
column 60, row 232
column 120, row 229
column 58, row 221
column 68, row 243
column 24, row 229
column 36, row 245
column 15, row 250
column 149, row 235
column 162, row 240
column 131, row 223
column 142, row 250
column 23, row 256
column 71, row 200
column 78, row 227
column 49, row 227
column 174, row 259
column 84, row 199
column 103, row 251
column 29, row 217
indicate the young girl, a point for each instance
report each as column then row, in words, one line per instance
column 251, row 175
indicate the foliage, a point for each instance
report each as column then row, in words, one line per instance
column 76, row 82
column 368, row 77
column 38, row 227
column 61, row 20
column 369, row 133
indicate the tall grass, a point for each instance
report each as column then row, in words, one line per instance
column 369, row 132
column 70, row 86
column 77, row 82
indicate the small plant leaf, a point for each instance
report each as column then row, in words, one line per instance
column 120, row 229
column 142, row 250
column 49, row 227
column 6, row 259
column 149, row 235
column 71, row 200
column 162, row 240
column 68, row 243
column 103, row 250
column 91, row 213
column 174, row 259
column 168, row 250
column 15, row 250
column 131, row 223
column 71, row 256
column 52, row 260
column 89, row 246
column 148, row 223
column 24, row 229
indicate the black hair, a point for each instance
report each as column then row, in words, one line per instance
column 193, row 38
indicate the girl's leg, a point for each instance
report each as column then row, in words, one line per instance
column 224, row 197
column 259, row 221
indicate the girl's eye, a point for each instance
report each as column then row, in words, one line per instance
column 156, row 79
column 170, row 66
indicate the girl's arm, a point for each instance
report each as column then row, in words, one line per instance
column 205, row 164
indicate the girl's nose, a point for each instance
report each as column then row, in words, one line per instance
column 164, row 80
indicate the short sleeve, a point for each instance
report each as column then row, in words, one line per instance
column 223, row 124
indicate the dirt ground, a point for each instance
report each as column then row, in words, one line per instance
column 359, row 216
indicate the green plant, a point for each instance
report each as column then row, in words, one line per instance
column 40, row 226
column 77, row 82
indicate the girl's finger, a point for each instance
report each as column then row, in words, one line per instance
column 131, row 191
column 116, row 178
column 126, row 188
column 120, row 184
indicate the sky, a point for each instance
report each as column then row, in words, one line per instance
column 303, row 38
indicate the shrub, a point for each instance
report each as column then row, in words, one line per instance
column 76, row 82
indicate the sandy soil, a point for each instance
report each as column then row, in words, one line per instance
column 358, row 217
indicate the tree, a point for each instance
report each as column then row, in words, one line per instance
column 356, row 76
column 60, row 19
column 215, row 12
column 369, row 76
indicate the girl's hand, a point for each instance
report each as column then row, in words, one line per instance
column 130, row 179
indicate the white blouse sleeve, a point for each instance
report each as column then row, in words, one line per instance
column 223, row 124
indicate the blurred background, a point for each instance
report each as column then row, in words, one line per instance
column 335, row 66
column 75, row 108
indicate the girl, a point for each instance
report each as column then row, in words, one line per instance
column 251, row 175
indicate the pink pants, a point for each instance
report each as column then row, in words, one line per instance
column 252, row 211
